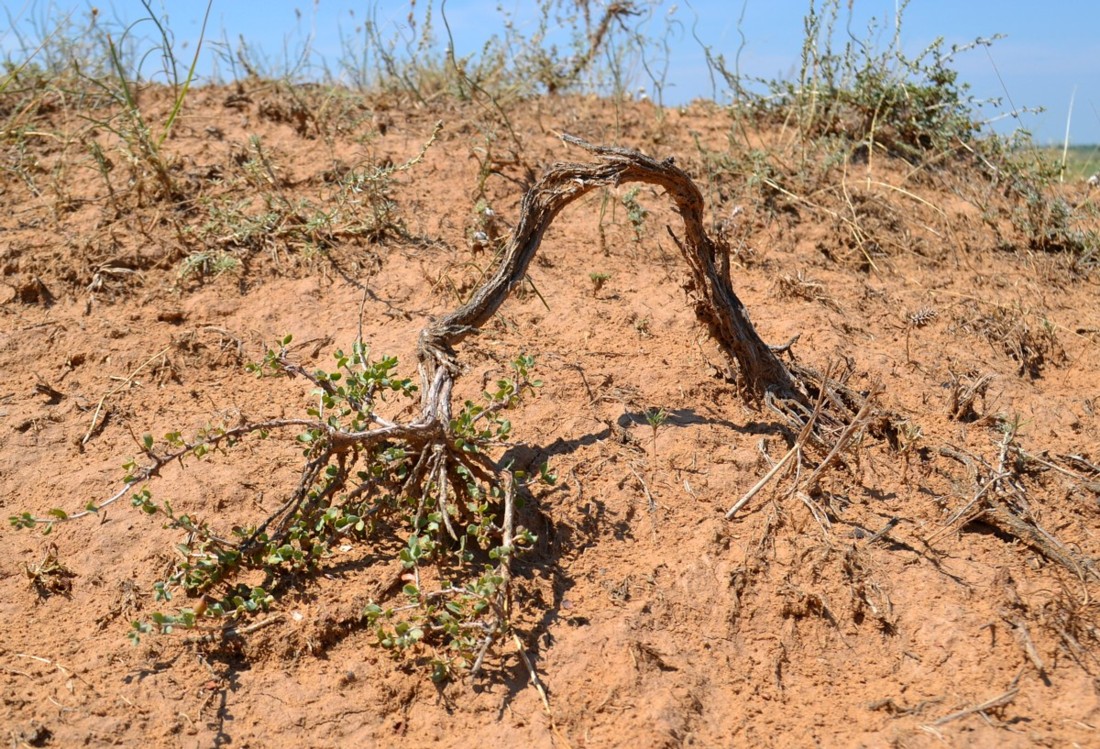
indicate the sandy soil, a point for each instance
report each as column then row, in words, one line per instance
column 650, row 618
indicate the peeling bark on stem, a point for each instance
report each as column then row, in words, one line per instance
column 716, row 304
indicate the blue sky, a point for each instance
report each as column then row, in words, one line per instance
column 1050, row 53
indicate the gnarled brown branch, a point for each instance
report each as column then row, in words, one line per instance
column 763, row 374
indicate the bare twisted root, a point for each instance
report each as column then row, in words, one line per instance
column 791, row 392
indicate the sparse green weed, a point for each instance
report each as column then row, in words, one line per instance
column 656, row 418
column 456, row 548
column 635, row 212
column 207, row 264
column 598, row 280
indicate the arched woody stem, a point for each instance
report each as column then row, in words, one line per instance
column 716, row 304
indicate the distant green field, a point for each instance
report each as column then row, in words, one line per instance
column 1081, row 161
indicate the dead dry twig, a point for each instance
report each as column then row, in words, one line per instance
column 991, row 704
column 126, row 382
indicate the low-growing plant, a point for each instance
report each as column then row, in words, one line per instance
column 598, row 280
column 656, row 418
column 356, row 203
column 635, row 212
column 448, row 506
column 207, row 264
column 1050, row 223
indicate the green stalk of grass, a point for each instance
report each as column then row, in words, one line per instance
column 177, row 105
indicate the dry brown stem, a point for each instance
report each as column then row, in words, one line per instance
column 797, row 394
column 1001, row 501
column 716, row 304
column 998, row 701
